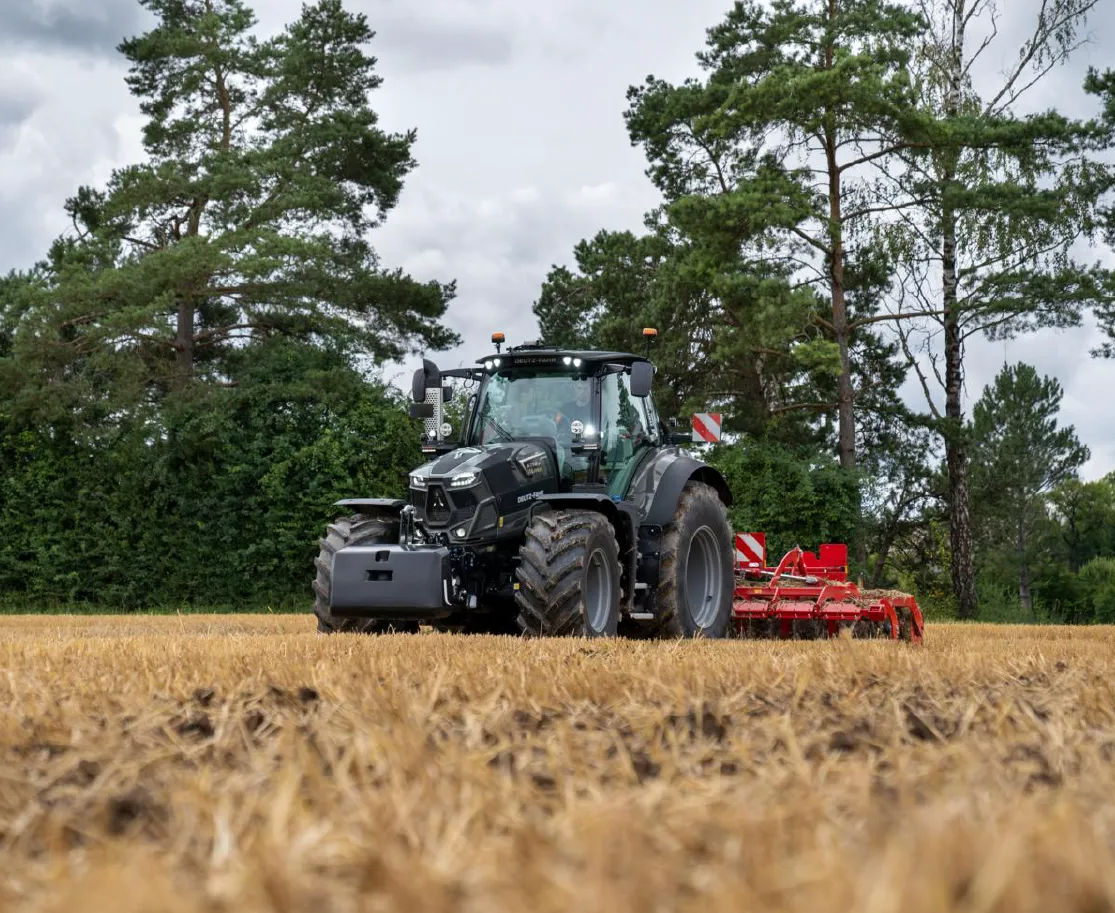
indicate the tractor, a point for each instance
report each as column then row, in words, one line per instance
column 563, row 506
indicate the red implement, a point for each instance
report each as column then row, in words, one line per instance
column 809, row 596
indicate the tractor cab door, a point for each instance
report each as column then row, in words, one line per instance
column 628, row 431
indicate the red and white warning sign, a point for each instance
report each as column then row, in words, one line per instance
column 751, row 550
column 706, row 427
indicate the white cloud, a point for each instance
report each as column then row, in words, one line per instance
column 595, row 196
column 426, row 265
column 526, row 195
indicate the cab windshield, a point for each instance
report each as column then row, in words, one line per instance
column 533, row 404
column 618, row 426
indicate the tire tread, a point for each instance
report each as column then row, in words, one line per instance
column 549, row 575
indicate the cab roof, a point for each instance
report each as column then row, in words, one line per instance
column 539, row 355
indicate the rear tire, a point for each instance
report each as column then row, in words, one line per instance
column 359, row 529
column 697, row 568
column 569, row 576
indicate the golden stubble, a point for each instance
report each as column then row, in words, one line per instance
column 246, row 763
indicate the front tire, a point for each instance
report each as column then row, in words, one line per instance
column 697, row 568
column 569, row 576
column 359, row 529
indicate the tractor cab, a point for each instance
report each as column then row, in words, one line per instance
column 593, row 411
column 598, row 422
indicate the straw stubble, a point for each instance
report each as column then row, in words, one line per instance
column 246, row 763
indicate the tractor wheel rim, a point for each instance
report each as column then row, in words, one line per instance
column 703, row 583
column 598, row 590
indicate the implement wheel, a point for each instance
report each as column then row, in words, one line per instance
column 569, row 576
column 697, row 568
column 358, row 529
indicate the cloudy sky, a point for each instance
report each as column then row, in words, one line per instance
column 521, row 145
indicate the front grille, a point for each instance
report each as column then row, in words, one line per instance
column 438, row 508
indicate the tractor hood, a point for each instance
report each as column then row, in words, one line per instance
column 526, row 459
column 471, row 487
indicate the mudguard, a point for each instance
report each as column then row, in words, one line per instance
column 658, row 485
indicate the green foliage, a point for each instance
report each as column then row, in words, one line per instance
column 1102, row 137
column 183, row 375
column 185, row 393
column 1018, row 451
column 995, row 205
column 218, row 502
column 795, row 497
column 1097, row 578
column 773, row 159
column 1085, row 514
column 919, row 564
column 761, row 266
column 729, row 339
column 1019, row 455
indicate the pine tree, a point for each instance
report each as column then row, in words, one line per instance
column 1019, row 455
column 775, row 150
column 265, row 172
column 993, row 204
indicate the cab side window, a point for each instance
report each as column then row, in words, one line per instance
column 623, row 428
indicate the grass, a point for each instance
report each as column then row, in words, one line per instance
column 244, row 763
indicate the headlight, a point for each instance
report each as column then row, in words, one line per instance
column 464, row 479
column 418, row 482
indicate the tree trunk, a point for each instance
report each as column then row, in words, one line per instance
column 845, row 395
column 1024, row 574
column 184, row 343
column 887, row 543
column 846, row 422
column 956, row 450
column 890, row 533
column 750, row 400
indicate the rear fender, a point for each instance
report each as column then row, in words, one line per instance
column 625, row 521
column 671, row 483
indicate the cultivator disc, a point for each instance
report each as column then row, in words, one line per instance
column 810, row 598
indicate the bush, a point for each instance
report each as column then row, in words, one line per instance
column 796, row 498
column 1097, row 579
column 218, row 500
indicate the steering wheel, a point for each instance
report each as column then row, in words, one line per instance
column 539, row 426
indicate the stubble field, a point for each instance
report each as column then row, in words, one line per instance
column 242, row 764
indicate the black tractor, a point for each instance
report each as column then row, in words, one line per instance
column 564, row 507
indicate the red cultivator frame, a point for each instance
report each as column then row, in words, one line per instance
column 809, row 596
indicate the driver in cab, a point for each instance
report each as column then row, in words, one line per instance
column 577, row 409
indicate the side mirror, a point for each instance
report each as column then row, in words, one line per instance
column 426, row 376
column 642, row 378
